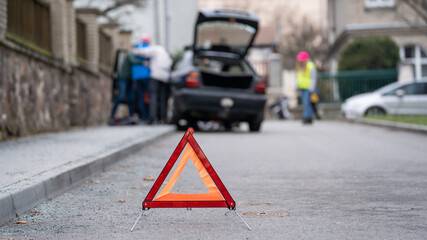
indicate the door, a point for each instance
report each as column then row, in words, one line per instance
column 414, row 100
column 225, row 30
column 120, row 56
column 418, row 98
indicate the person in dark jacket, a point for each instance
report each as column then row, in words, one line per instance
column 124, row 85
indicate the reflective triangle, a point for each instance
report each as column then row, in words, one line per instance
column 218, row 196
column 213, row 194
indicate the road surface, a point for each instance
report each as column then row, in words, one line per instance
column 332, row 180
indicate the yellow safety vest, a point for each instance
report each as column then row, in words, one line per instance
column 304, row 78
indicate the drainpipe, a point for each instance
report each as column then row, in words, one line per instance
column 156, row 21
column 167, row 20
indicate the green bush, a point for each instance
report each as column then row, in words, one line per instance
column 365, row 53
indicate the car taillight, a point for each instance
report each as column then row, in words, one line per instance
column 192, row 80
column 260, row 85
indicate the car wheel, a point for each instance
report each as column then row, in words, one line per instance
column 180, row 127
column 171, row 113
column 228, row 125
column 192, row 123
column 255, row 125
column 375, row 111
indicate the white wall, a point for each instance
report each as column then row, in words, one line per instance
column 183, row 14
column 143, row 22
column 289, row 87
column 168, row 22
column 175, row 23
column 406, row 72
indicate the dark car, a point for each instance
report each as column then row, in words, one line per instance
column 212, row 80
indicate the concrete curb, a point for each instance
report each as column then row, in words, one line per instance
column 26, row 194
column 393, row 125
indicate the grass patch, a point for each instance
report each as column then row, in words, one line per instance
column 411, row 119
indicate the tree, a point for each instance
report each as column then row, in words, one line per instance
column 113, row 10
column 305, row 36
column 365, row 53
column 419, row 7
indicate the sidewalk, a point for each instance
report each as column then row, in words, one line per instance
column 38, row 168
column 393, row 125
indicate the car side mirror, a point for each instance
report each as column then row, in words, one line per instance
column 400, row 93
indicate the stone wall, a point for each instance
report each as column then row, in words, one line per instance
column 38, row 95
column 90, row 98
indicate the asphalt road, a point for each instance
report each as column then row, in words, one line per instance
column 332, row 180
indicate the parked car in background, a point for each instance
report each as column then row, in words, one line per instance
column 212, row 80
column 395, row 98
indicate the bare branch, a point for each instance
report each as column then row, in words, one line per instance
column 119, row 4
column 306, row 36
column 112, row 10
column 419, row 7
column 412, row 24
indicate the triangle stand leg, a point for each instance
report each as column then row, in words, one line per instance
column 140, row 215
column 242, row 219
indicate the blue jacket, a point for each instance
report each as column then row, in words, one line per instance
column 140, row 72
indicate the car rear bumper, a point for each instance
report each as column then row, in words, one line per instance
column 206, row 105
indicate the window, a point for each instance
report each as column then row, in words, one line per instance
column 105, row 47
column 81, row 39
column 424, row 70
column 28, row 23
column 417, row 56
column 218, row 66
column 411, row 89
column 414, row 89
column 379, row 3
column 424, row 89
column 409, row 52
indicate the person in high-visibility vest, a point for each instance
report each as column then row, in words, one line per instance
column 306, row 84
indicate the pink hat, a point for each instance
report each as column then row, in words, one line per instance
column 145, row 38
column 302, row 56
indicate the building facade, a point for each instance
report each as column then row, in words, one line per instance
column 169, row 23
column 55, row 67
column 394, row 18
column 270, row 11
column 277, row 18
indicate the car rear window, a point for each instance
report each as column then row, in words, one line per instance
column 218, row 66
column 224, row 36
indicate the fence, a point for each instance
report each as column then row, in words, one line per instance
column 342, row 85
column 29, row 20
column 261, row 66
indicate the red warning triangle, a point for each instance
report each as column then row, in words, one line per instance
column 217, row 196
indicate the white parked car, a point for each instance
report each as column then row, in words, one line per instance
column 395, row 98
